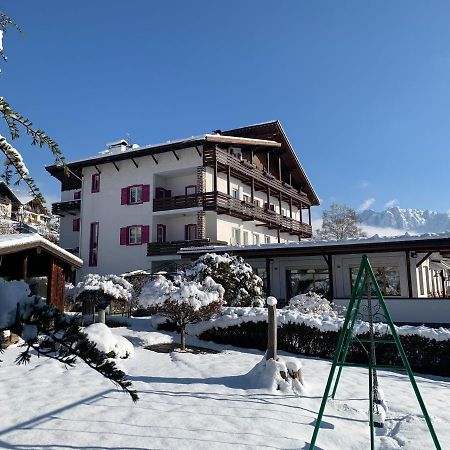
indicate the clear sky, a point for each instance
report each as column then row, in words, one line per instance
column 361, row 88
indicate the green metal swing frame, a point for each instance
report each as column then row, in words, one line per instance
column 364, row 277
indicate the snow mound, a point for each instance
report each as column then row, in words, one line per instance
column 276, row 376
column 11, row 293
column 312, row 304
column 109, row 343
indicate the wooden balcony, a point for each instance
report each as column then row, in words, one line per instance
column 245, row 171
column 225, row 204
column 172, row 247
column 70, row 207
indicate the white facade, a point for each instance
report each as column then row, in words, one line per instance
column 179, row 174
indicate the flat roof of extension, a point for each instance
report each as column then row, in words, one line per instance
column 424, row 242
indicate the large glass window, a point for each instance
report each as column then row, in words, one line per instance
column 302, row 281
column 388, row 279
column 93, row 244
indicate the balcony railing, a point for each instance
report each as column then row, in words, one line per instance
column 225, row 204
column 172, row 247
column 62, row 208
column 244, row 170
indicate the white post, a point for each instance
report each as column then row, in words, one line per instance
column 271, row 328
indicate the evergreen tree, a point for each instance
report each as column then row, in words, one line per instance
column 242, row 286
column 340, row 222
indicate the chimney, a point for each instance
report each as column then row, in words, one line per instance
column 118, row 146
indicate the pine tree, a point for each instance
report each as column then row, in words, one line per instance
column 340, row 222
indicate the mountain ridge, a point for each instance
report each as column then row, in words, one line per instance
column 407, row 219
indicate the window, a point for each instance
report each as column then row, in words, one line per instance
column 162, row 193
column 190, row 231
column 95, row 182
column 76, row 224
column 134, row 235
column 257, row 202
column 245, row 238
column 235, row 236
column 160, row 233
column 93, row 245
column 246, row 198
column 190, row 190
column 302, row 281
column 235, row 193
column 134, row 195
column 255, row 239
column 388, row 279
column 267, row 239
column 77, row 195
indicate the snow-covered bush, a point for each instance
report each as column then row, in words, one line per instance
column 11, row 294
column 242, row 286
column 312, row 303
column 182, row 301
column 102, row 290
column 114, row 346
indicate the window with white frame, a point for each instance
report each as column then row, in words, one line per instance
column 135, row 235
column 245, row 237
column 135, row 194
column 255, row 239
column 246, row 198
column 235, row 236
column 267, row 239
column 235, row 193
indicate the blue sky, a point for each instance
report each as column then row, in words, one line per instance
column 361, row 88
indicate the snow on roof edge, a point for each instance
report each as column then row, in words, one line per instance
column 22, row 239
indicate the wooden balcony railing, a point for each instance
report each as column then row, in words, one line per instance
column 62, row 208
column 225, row 204
column 244, row 170
column 172, row 247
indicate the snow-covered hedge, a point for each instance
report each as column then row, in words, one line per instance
column 427, row 349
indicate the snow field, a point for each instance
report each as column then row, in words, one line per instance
column 204, row 401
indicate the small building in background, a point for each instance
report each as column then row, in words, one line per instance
column 42, row 264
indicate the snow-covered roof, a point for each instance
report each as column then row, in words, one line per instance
column 321, row 243
column 11, row 243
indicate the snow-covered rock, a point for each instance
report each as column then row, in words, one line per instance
column 109, row 343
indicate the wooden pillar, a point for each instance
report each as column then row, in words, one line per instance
column 268, row 162
column 279, row 201
column 252, row 189
column 408, row 273
column 25, row 267
column 290, row 207
column 55, row 284
column 228, row 179
column 301, row 212
column 279, row 167
column 309, row 214
column 278, row 236
column 268, row 197
column 268, row 286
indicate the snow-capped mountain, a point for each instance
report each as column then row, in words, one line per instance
column 414, row 220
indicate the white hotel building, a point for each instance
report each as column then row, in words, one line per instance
column 133, row 207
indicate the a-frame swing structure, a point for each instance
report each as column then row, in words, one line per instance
column 366, row 283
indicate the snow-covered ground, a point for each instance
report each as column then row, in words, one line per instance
column 204, row 401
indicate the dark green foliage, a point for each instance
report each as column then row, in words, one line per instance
column 60, row 337
column 242, row 286
column 424, row 355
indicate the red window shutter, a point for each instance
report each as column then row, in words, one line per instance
column 76, row 225
column 145, row 234
column 124, row 196
column 186, row 228
column 124, row 236
column 145, row 193
column 77, row 195
column 168, row 193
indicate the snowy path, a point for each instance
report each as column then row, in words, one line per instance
column 203, row 402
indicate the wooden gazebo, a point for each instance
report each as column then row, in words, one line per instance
column 23, row 256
